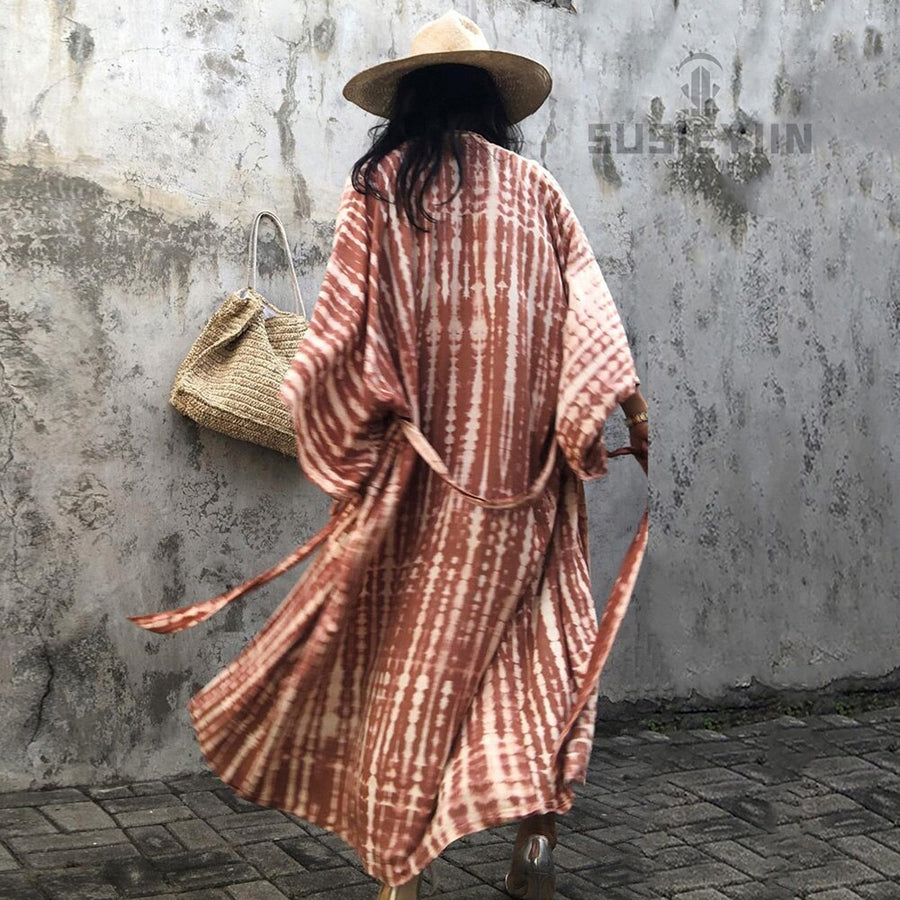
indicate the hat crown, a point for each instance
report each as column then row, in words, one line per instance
column 522, row 82
column 452, row 31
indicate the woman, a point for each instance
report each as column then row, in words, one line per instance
column 446, row 306
column 433, row 672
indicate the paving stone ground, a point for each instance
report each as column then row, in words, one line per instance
column 785, row 808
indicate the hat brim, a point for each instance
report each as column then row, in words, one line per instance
column 523, row 82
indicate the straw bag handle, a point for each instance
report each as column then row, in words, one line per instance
column 299, row 306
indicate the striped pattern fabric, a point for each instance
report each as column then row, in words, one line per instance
column 433, row 672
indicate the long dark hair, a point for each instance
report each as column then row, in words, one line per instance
column 430, row 104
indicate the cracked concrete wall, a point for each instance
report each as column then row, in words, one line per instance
column 759, row 287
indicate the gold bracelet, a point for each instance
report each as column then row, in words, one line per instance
column 637, row 417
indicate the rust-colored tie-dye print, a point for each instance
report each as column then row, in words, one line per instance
column 434, row 670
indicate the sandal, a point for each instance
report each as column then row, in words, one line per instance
column 531, row 875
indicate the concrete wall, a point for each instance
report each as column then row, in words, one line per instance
column 760, row 288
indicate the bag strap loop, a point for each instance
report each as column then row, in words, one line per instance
column 299, row 306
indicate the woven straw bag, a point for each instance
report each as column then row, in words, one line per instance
column 229, row 380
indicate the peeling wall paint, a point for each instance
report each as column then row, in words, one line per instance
column 760, row 289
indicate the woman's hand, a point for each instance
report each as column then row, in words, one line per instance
column 639, row 436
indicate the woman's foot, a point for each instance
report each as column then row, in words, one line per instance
column 407, row 891
column 540, row 823
column 531, row 873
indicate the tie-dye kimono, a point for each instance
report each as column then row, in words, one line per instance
column 433, row 672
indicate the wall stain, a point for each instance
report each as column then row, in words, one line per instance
column 89, row 678
column 603, row 162
column 709, row 526
column 839, row 503
column 39, row 146
column 892, row 308
column 736, row 399
column 764, row 304
column 87, row 501
column 35, row 553
column 115, row 438
column 748, row 161
column 621, row 265
column 682, row 478
column 162, row 691
column 32, row 663
column 778, row 394
column 220, row 64
column 271, row 257
column 786, row 97
column 70, row 224
column 676, row 324
column 865, row 179
column 737, row 71
column 834, row 379
column 169, row 551
column 316, row 253
column 841, row 42
column 698, row 171
column 231, row 620
column 549, row 135
column 80, row 43
column 18, row 354
column 864, row 357
column 204, row 20
column 324, row 35
column 872, row 43
column 284, row 118
column 200, row 135
column 812, row 441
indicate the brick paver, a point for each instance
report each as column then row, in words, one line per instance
column 784, row 808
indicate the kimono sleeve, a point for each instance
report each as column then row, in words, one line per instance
column 341, row 384
column 597, row 368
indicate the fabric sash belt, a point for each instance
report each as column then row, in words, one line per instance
column 614, row 611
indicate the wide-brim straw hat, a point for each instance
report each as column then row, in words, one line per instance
column 523, row 82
